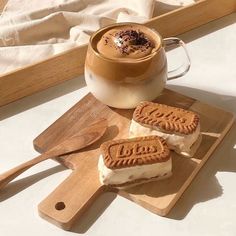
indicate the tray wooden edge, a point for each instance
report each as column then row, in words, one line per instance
column 67, row 65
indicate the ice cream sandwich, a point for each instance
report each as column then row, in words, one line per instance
column 127, row 162
column 180, row 128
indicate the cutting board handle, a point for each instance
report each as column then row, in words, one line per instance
column 71, row 198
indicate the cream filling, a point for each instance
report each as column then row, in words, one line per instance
column 181, row 143
column 119, row 176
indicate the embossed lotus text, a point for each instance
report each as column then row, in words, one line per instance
column 166, row 118
column 170, row 116
column 124, row 151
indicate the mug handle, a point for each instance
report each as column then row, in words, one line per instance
column 184, row 68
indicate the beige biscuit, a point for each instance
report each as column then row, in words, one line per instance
column 166, row 118
column 136, row 151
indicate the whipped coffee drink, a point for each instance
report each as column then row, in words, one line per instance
column 125, row 64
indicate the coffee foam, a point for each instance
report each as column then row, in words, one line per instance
column 131, row 41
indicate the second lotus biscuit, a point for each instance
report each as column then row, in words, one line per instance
column 180, row 128
column 128, row 162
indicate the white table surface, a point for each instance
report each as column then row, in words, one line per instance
column 208, row 207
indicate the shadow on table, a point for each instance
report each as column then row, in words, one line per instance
column 19, row 185
column 222, row 101
column 205, row 185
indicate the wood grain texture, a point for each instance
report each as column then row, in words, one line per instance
column 182, row 20
column 2, row 5
column 158, row 197
column 69, row 64
column 42, row 75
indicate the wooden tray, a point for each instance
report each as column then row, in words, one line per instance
column 70, row 199
column 69, row 64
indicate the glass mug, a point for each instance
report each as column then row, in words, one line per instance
column 123, row 83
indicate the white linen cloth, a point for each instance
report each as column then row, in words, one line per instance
column 33, row 30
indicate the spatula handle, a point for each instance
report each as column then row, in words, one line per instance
column 11, row 174
column 70, row 199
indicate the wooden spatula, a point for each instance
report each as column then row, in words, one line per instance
column 82, row 139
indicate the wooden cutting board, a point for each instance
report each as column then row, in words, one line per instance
column 71, row 198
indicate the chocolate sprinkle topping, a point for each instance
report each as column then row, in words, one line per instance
column 131, row 40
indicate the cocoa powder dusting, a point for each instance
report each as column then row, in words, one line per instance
column 131, row 40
